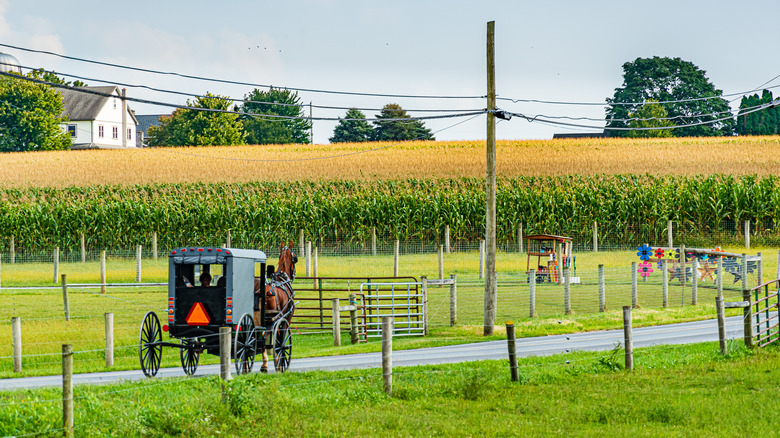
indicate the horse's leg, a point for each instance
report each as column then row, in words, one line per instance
column 264, row 368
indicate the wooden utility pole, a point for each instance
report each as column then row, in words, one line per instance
column 490, row 214
column 311, row 122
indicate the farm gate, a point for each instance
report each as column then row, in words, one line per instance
column 401, row 300
column 766, row 324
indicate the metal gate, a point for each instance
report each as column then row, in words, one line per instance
column 403, row 301
column 766, row 324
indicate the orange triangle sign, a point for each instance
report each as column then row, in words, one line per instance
column 198, row 315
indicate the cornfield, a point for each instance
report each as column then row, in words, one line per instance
column 628, row 207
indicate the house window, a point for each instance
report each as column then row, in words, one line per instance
column 115, row 133
column 129, row 134
column 115, row 103
column 100, row 131
column 72, row 130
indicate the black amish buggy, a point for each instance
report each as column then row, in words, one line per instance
column 196, row 311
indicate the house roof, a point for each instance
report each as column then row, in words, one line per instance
column 147, row 121
column 85, row 103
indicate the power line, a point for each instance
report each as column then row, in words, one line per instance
column 224, row 81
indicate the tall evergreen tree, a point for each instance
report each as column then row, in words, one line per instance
column 763, row 122
column 387, row 127
column 352, row 128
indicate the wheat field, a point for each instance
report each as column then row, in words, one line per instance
column 379, row 161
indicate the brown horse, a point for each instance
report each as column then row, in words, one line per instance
column 279, row 296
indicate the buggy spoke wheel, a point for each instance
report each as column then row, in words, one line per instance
column 282, row 345
column 245, row 344
column 190, row 356
column 149, row 348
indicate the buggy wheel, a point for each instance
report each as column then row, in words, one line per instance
column 149, row 344
column 282, row 345
column 190, row 356
column 245, row 344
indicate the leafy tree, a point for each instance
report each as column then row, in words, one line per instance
column 764, row 122
column 353, row 128
column 50, row 76
column 30, row 117
column 292, row 127
column 398, row 130
column 650, row 115
column 664, row 80
column 192, row 127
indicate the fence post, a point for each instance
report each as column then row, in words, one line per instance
column 520, row 238
column 695, row 281
column 512, row 347
column 628, row 338
column 373, row 241
column 316, row 262
column 481, row 259
column 567, row 292
column 441, row 262
column 138, row 254
column 777, row 273
column 83, row 248
column 602, row 292
column 747, row 313
column 595, row 236
column 387, row 354
column 224, row 353
column 103, row 272
column 447, row 238
column 559, row 266
column 109, row 339
column 665, row 285
column 154, row 244
column 721, row 325
column 760, row 269
column 424, row 281
column 532, row 294
column 454, row 300
column 634, row 294
column 56, row 264
column 67, row 389
column 227, row 239
column 301, row 241
column 308, row 258
column 744, row 271
column 683, row 275
column 669, row 236
column 12, row 250
column 747, row 234
column 16, row 323
column 719, row 275
column 396, row 256
column 353, row 330
column 336, row 318
column 65, row 302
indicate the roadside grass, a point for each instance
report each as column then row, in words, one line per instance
column 680, row 390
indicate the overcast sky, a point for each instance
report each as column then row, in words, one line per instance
column 555, row 50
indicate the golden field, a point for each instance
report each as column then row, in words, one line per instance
column 371, row 161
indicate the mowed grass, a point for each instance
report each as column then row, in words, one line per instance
column 674, row 391
column 45, row 330
column 381, row 161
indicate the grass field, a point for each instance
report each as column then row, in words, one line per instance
column 674, row 391
column 451, row 159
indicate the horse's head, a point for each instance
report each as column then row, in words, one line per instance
column 287, row 260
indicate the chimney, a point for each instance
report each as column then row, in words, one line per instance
column 124, row 117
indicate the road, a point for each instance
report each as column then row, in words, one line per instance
column 683, row 333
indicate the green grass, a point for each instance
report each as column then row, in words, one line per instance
column 674, row 391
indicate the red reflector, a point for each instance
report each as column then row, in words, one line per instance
column 198, row 315
column 165, row 327
column 227, row 252
column 219, row 249
column 173, row 252
column 184, row 250
column 200, row 249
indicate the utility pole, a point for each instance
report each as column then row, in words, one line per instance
column 311, row 122
column 490, row 213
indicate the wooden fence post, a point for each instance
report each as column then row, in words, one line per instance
column 67, row 389
column 224, row 353
column 301, row 241
column 777, row 272
column 454, row 300
column 695, row 281
column 747, row 313
column 669, row 237
column 595, row 236
column 336, row 321
column 447, row 238
column 103, row 271
column 316, row 261
column 441, row 262
column 424, row 281
column 12, row 250
column 109, row 339
column 628, row 338
column 387, row 354
column 512, row 347
column 721, row 325
column 65, row 302
column 520, row 238
column 353, row 329
column 602, row 292
column 532, row 294
column 481, row 259
column 744, row 271
column 308, row 258
column 227, row 239
column 154, row 244
column 138, row 255
column 683, row 275
column 16, row 324
column 373, row 241
column 747, row 234
column 634, row 293
column 719, row 275
column 760, row 269
column 83, row 248
column 56, row 264
column 396, row 256
column 665, row 285
column 567, row 292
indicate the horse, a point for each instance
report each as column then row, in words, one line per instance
column 278, row 293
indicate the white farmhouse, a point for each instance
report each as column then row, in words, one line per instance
column 98, row 118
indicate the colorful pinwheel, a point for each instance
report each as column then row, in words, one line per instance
column 644, row 252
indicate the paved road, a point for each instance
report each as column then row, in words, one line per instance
column 683, row 333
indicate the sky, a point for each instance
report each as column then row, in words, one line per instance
column 569, row 51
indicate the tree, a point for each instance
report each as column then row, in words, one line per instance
column 763, row 122
column 30, row 117
column 291, row 127
column 352, row 128
column 387, row 129
column 192, row 127
column 650, row 115
column 670, row 79
column 50, row 76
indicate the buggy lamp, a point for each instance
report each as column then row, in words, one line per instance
column 165, row 327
